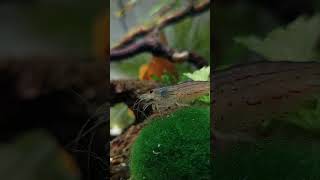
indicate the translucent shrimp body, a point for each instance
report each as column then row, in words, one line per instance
column 170, row 97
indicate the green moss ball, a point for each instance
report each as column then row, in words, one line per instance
column 176, row 146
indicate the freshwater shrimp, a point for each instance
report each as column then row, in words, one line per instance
column 170, row 97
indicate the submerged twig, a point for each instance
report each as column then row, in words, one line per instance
column 157, row 48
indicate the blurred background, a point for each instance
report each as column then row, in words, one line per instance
column 244, row 18
column 53, row 80
column 247, row 31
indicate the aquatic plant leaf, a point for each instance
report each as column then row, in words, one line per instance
column 202, row 74
column 296, row 42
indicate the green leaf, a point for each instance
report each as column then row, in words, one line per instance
column 296, row 42
column 165, row 79
column 155, row 78
column 168, row 79
column 202, row 74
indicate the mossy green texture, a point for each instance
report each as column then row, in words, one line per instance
column 280, row 160
column 176, row 146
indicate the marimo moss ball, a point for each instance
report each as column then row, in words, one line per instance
column 268, row 160
column 176, row 146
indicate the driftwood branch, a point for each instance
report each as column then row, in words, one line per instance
column 128, row 90
column 154, row 46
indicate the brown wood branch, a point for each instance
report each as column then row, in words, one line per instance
column 154, row 46
column 128, row 90
column 139, row 32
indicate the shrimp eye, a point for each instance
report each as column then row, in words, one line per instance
column 151, row 91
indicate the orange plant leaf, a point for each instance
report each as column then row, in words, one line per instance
column 142, row 71
column 157, row 66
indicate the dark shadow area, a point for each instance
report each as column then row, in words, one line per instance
column 53, row 77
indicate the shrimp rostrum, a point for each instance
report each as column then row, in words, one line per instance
column 170, row 97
